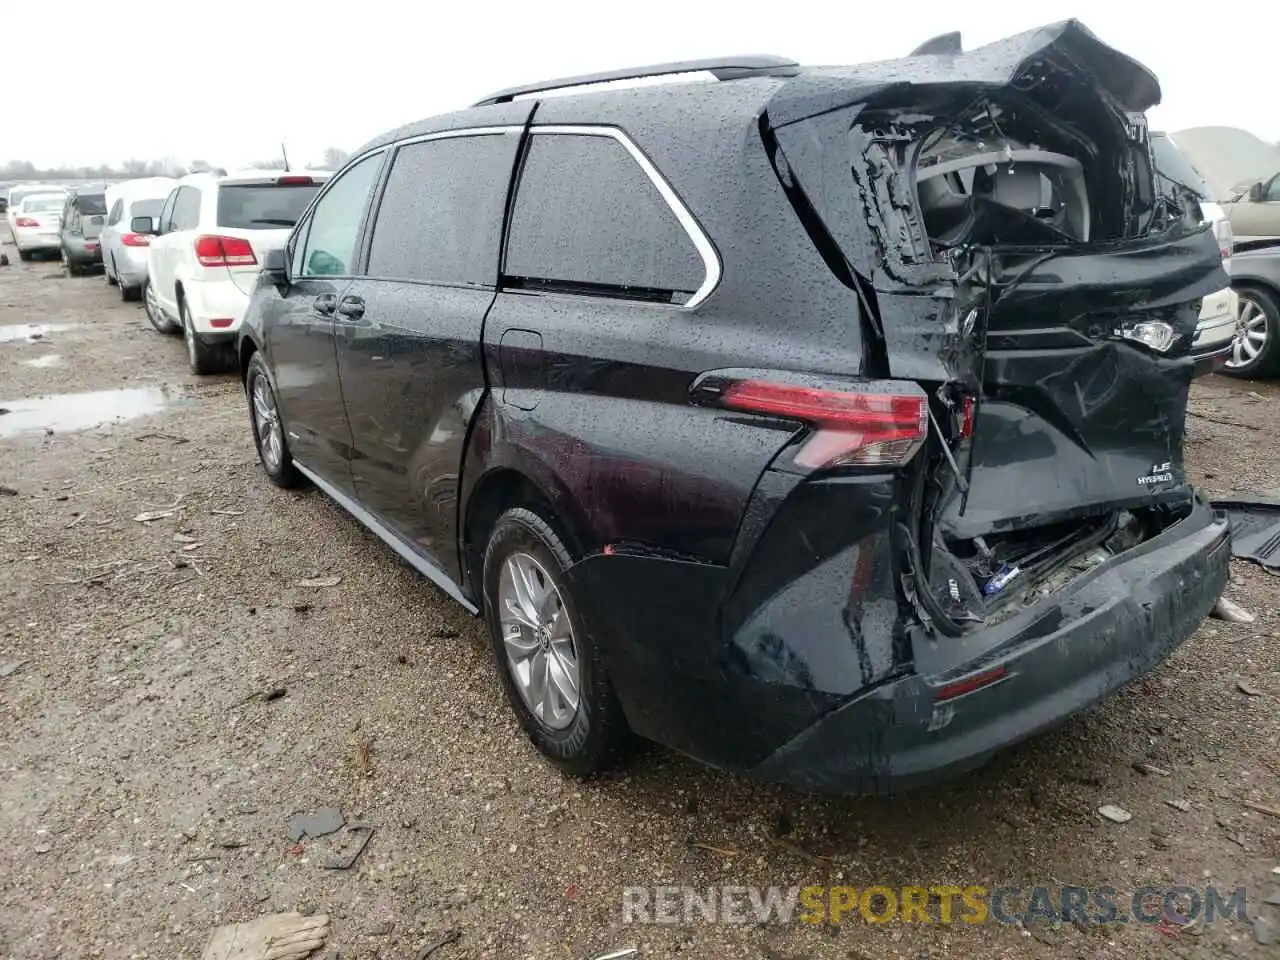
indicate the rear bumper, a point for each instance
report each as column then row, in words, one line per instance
column 83, row 251
column 130, row 265
column 1109, row 627
column 31, row 240
column 1215, row 332
column 217, row 308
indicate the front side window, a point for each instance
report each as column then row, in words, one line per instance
column 186, row 210
column 166, row 213
column 334, row 226
column 117, row 211
column 1272, row 193
column 588, row 218
column 440, row 218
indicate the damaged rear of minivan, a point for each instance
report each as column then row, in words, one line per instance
column 1032, row 293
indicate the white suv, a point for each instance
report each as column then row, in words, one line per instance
column 207, row 249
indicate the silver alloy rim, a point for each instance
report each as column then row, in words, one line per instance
column 1251, row 333
column 149, row 304
column 266, row 423
column 189, row 334
column 538, row 635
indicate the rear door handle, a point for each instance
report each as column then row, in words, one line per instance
column 351, row 308
column 324, row 304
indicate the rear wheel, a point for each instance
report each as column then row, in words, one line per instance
column 201, row 356
column 1254, row 352
column 152, row 307
column 550, row 669
column 268, row 429
column 108, row 271
column 24, row 255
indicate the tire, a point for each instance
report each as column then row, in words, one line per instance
column 129, row 294
column 202, row 358
column 24, row 255
column 152, row 308
column 1258, row 330
column 592, row 736
column 278, row 466
column 72, row 269
column 113, row 280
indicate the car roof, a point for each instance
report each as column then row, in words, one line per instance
column 244, row 177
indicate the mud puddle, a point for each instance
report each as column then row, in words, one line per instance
column 43, row 363
column 32, row 332
column 66, row 412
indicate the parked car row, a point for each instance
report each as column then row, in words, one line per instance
column 736, row 442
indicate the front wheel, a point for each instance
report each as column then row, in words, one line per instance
column 152, row 307
column 268, row 429
column 1254, row 352
column 550, row 669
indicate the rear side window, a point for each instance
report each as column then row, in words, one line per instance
column 263, row 206
column 587, row 217
column 440, row 218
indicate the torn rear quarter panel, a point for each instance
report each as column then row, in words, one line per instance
column 1055, row 104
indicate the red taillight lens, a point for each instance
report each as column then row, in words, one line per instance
column 966, row 420
column 26, row 222
column 136, row 240
column 853, row 428
column 1226, row 237
column 224, row 252
column 969, row 684
column 294, row 181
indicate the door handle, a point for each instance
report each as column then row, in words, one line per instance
column 351, row 308
column 324, row 304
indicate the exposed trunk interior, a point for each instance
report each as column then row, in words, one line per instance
column 1021, row 260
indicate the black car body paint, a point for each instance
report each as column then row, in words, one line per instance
column 875, row 619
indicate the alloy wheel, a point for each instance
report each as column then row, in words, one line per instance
column 151, row 306
column 266, row 423
column 538, row 636
column 188, row 334
column 1251, row 333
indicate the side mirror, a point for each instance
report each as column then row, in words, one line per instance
column 1256, row 192
column 144, row 225
column 275, row 264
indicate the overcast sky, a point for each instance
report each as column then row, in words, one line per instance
column 228, row 81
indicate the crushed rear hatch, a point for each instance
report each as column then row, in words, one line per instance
column 998, row 213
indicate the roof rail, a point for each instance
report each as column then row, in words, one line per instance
column 722, row 68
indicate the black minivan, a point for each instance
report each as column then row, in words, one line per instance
column 824, row 424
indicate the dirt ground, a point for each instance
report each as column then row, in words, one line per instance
column 180, row 695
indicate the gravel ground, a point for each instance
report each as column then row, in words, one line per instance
column 181, row 695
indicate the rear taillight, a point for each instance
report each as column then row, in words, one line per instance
column 851, row 428
column 1226, row 237
column 26, row 222
column 294, row 181
column 136, row 240
column 966, row 418
column 224, row 252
